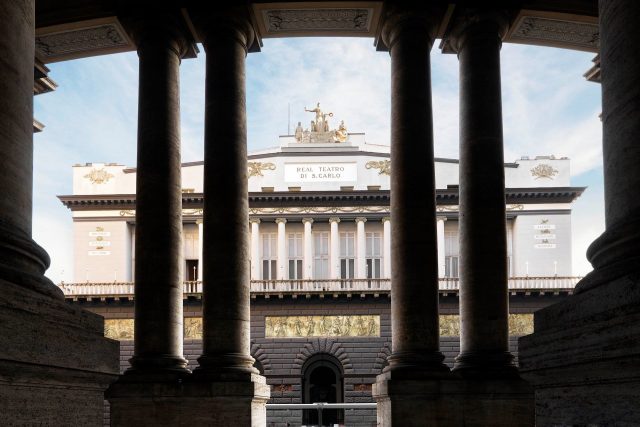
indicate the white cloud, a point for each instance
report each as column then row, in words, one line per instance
column 548, row 109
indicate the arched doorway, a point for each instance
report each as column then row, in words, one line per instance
column 322, row 382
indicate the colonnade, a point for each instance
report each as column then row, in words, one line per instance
column 416, row 388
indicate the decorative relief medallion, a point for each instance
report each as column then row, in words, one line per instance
column 383, row 165
column 98, row 176
column 256, row 168
column 295, row 20
column 319, row 210
column 557, row 32
column 544, row 171
column 107, row 36
column 322, row 326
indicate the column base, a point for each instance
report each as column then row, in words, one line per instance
column 55, row 363
column 479, row 365
column 411, row 399
column 238, row 400
column 584, row 357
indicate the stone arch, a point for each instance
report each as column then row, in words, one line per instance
column 262, row 358
column 381, row 358
column 323, row 345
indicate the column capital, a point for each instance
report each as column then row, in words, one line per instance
column 199, row 221
column 361, row 219
column 164, row 28
column 254, row 220
column 417, row 22
column 334, row 219
column 475, row 22
column 441, row 218
column 386, row 219
column 281, row 220
column 307, row 220
column 215, row 21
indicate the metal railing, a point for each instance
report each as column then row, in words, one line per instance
column 316, row 286
column 320, row 407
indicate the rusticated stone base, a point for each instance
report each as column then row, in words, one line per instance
column 55, row 363
column 239, row 402
column 409, row 399
column 584, row 358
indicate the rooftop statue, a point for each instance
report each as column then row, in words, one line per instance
column 319, row 130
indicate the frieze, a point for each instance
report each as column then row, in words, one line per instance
column 322, row 326
column 98, row 176
column 296, row 20
column 318, row 210
column 84, row 41
column 519, row 324
column 256, row 168
column 122, row 329
column 557, row 32
column 455, row 208
column 384, row 166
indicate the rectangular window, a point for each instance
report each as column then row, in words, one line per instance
column 374, row 255
column 295, row 255
column 269, row 256
column 191, row 270
column 451, row 254
column 347, row 255
column 321, row 255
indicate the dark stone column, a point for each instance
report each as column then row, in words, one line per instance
column 586, row 370
column 226, row 277
column 414, row 265
column 22, row 261
column 54, row 360
column 158, row 290
column 484, row 335
column 617, row 251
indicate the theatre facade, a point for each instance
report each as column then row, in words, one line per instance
column 321, row 238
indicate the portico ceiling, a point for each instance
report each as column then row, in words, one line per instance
column 69, row 29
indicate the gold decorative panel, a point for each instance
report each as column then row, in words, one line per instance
column 519, row 324
column 118, row 329
column 322, row 326
column 449, row 325
column 122, row 329
column 193, row 328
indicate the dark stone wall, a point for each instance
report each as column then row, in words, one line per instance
column 282, row 359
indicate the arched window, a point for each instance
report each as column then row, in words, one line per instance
column 322, row 381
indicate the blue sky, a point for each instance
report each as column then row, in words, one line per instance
column 548, row 108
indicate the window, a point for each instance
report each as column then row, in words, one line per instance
column 269, row 256
column 321, row 255
column 295, row 256
column 451, row 254
column 347, row 255
column 191, row 270
column 374, row 255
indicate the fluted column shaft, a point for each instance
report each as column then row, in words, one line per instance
column 361, row 246
column 334, row 254
column 281, row 261
column 200, row 257
column 414, row 306
column 158, row 290
column 255, row 249
column 386, row 246
column 484, row 335
column 308, row 249
column 617, row 251
column 226, row 279
column 22, row 261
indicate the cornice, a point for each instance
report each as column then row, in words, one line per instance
column 447, row 196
